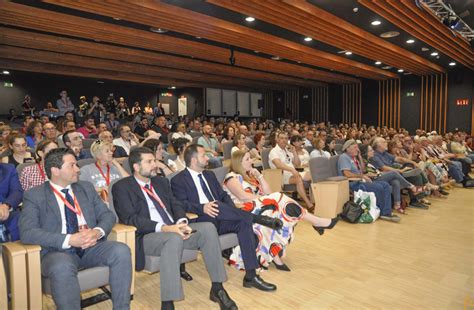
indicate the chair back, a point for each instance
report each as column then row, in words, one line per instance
column 338, row 148
column 126, row 166
column 251, row 145
column 220, row 173
column 20, row 167
column 309, row 149
column 265, row 154
column 320, row 169
column 84, row 162
column 195, row 134
column 195, row 139
column 111, row 199
column 226, row 148
column 170, row 176
column 168, row 157
column 333, row 163
column 87, row 143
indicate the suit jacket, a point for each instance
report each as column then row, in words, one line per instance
column 40, row 219
column 11, row 192
column 185, row 190
column 132, row 209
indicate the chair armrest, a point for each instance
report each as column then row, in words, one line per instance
column 125, row 234
column 33, row 267
column 14, row 257
column 274, row 178
column 354, row 179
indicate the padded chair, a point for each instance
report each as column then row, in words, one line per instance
column 251, row 145
column 195, row 134
column 126, row 166
column 152, row 263
column 84, row 162
column 170, row 157
column 220, row 173
column 226, row 148
column 338, row 148
column 265, row 154
column 88, row 142
column 20, row 167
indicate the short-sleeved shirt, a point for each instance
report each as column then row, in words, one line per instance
column 210, row 143
column 345, row 162
column 91, row 174
column 382, row 159
column 282, row 154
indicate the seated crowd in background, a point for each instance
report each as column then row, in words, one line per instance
column 400, row 169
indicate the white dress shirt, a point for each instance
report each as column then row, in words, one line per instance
column 154, row 214
column 197, row 183
column 80, row 219
column 127, row 145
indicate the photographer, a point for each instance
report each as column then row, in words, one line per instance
column 111, row 104
column 96, row 110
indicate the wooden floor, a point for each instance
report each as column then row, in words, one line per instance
column 424, row 262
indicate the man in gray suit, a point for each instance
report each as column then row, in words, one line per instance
column 70, row 222
column 146, row 202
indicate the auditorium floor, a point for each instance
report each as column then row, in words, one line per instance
column 424, row 262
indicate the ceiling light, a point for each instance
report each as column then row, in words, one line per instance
column 376, row 23
column 276, row 58
column 424, row 49
column 256, row 52
column 348, row 53
column 117, row 18
column 249, row 19
column 158, row 30
column 434, row 54
column 400, row 70
column 308, row 39
column 410, row 41
column 452, row 63
column 378, row 63
column 298, row 61
column 199, row 38
column 387, row 67
column 6, row 72
column 172, row 87
column 390, row 34
column 355, row 10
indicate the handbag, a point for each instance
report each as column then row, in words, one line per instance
column 351, row 212
column 368, row 203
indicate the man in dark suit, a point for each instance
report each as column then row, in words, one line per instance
column 70, row 222
column 202, row 194
column 11, row 194
column 146, row 202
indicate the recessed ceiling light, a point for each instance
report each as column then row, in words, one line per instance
column 424, row 49
column 410, row 41
column 355, row 10
column 452, row 63
column 117, row 18
column 348, row 53
column 172, row 87
column 6, row 72
column 276, row 58
column 256, row 52
column 298, row 61
column 390, row 34
column 387, row 67
column 199, row 38
column 376, row 23
column 342, row 52
column 400, row 70
column 158, row 30
column 249, row 19
column 378, row 63
column 434, row 54
column 308, row 39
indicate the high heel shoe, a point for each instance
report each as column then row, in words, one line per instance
column 320, row 230
column 282, row 267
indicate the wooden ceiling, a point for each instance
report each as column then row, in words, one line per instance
column 112, row 40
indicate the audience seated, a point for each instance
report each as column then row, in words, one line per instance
column 34, row 175
column 179, row 146
column 297, row 142
column 211, row 145
column 19, row 153
column 11, row 195
column 127, row 139
column 318, row 150
column 73, row 141
column 163, row 169
column 34, row 134
column 73, row 236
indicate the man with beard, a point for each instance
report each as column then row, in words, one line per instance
column 146, row 202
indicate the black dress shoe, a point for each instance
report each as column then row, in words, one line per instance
column 267, row 221
column 259, row 283
column 282, row 267
column 333, row 223
column 186, row 276
column 223, row 299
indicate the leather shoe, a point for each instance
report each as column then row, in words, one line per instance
column 186, row 276
column 259, row 283
column 223, row 299
column 282, row 267
column 270, row 222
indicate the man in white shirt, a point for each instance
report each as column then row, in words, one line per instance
column 283, row 156
column 127, row 139
column 70, row 222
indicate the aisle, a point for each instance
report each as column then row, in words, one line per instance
column 425, row 261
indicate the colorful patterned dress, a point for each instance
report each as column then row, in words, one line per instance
column 276, row 205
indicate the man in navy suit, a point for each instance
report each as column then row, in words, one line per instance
column 70, row 222
column 202, row 194
column 11, row 195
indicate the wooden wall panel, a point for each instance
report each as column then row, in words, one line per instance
column 268, row 105
column 352, row 103
column 434, row 102
column 389, row 103
column 292, row 102
column 320, row 104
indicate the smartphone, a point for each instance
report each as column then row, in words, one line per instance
column 192, row 232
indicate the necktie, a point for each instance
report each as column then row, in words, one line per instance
column 72, row 226
column 205, row 189
column 161, row 211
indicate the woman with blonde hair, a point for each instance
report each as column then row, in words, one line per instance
column 104, row 170
column 246, row 186
column 318, row 150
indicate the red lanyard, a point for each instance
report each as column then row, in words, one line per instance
column 41, row 172
column 107, row 178
column 76, row 209
column 154, row 196
column 356, row 163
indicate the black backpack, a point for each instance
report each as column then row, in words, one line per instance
column 351, row 212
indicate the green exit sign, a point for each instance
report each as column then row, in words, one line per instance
column 8, row 84
column 411, row 94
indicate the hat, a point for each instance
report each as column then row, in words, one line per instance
column 347, row 144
